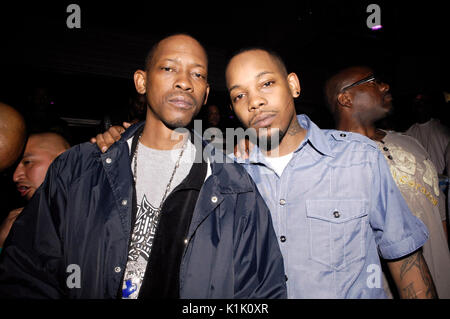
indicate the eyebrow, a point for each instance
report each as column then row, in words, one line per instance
column 256, row 77
column 194, row 64
column 263, row 73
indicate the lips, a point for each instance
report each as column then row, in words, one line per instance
column 23, row 190
column 388, row 97
column 262, row 120
column 181, row 101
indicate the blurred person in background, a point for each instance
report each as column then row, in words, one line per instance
column 40, row 151
column 358, row 99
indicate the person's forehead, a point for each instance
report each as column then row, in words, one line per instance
column 181, row 48
column 249, row 66
column 355, row 74
column 256, row 59
column 38, row 146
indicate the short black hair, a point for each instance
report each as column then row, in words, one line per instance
column 271, row 52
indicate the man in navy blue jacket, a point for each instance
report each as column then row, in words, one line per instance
column 145, row 219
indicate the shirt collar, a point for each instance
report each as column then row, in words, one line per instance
column 314, row 136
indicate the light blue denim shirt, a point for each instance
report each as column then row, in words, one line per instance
column 335, row 209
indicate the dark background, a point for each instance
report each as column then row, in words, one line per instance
column 88, row 72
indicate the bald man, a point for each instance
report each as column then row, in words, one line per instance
column 357, row 99
column 12, row 135
column 40, row 151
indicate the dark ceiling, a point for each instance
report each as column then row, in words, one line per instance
column 89, row 70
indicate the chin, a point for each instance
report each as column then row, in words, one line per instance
column 178, row 123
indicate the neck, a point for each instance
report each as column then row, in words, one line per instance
column 158, row 136
column 291, row 140
column 368, row 130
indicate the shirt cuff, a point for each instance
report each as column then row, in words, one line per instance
column 406, row 246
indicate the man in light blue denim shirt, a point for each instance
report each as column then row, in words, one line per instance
column 334, row 204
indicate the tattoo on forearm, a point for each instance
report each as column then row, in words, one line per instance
column 409, row 292
column 416, row 261
column 294, row 129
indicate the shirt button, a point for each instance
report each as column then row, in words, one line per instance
column 343, row 135
column 117, row 269
column 282, row 202
column 390, row 157
column 285, row 278
column 124, row 202
column 186, row 241
column 108, row 160
column 385, row 149
column 283, row 239
column 336, row 214
column 214, row 199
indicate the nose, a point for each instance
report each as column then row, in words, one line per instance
column 256, row 101
column 183, row 82
column 18, row 173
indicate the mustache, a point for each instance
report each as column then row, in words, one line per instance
column 189, row 97
column 261, row 116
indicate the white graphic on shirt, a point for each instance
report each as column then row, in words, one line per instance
column 144, row 231
column 430, row 176
column 410, row 176
column 404, row 161
column 142, row 238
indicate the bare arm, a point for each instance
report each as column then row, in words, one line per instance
column 412, row 277
column 5, row 227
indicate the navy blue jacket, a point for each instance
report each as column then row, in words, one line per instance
column 79, row 220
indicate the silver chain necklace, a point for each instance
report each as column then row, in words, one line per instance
column 171, row 177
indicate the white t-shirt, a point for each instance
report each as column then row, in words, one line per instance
column 278, row 164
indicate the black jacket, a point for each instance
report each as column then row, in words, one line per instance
column 82, row 216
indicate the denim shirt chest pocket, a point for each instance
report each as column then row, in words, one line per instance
column 337, row 231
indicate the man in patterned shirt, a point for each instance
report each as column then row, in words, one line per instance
column 357, row 99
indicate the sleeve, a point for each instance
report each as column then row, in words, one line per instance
column 397, row 231
column 30, row 262
column 259, row 267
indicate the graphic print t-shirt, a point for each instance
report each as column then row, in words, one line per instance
column 154, row 168
column 417, row 180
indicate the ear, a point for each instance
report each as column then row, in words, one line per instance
column 206, row 94
column 345, row 99
column 140, row 81
column 294, row 84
